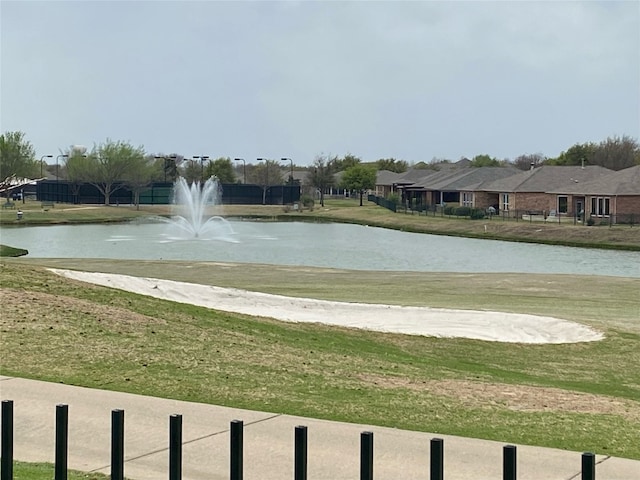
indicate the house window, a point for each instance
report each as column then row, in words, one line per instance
column 505, row 202
column 600, row 206
column 467, row 199
column 563, row 204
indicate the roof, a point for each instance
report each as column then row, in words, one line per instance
column 546, row 178
column 466, row 178
column 622, row 182
column 386, row 177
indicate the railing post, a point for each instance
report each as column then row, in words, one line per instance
column 437, row 459
column 588, row 466
column 366, row 456
column 6, row 463
column 509, row 462
column 62, row 441
column 236, row 449
column 300, row 454
column 117, row 445
column 175, row 447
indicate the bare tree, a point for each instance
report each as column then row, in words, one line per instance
column 321, row 175
column 617, row 153
column 529, row 160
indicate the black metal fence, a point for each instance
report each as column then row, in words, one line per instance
column 161, row 194
column 436, row 465
column 529, row 216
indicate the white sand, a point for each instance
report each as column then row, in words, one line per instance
column 435, row 322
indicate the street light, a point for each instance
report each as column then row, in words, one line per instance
column 266, row 183
column 202, row 159
column 41, row 162
column 172, row 157
column 291, row 174
column 58, row 176
column 57, row 166
column 244, row 169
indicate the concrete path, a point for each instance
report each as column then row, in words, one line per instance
column 333, row 447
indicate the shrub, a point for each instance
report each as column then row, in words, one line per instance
column 477, row 214
column 307, row 201
column 449, row 210
column 462, row 212
column 591, row 222
column 394, row 197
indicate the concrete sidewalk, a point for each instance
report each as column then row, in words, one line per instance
column 333, row 447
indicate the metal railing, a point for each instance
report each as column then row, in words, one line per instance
column 300, row 456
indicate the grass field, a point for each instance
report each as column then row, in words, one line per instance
column 582, row 397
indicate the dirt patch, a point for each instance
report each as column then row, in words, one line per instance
column 19, row 306
column 523, row 398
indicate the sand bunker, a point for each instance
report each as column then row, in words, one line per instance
column 433, row 322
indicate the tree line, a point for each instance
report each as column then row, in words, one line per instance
column 111, row 164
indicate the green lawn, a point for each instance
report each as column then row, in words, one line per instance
column 582, row 397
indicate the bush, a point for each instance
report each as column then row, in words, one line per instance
column 477, row 214
column 591, row 222
column 394, row 197
column 462, row 212
column 449, row 210
column 307, row 201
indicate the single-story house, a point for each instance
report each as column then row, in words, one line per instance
column 532, row 190
column 613, row 195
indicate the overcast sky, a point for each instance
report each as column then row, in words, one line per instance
column 409, row 80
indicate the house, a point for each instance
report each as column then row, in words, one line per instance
column 385, row 181
column 461, row 186
column 542, row 189
column 614, row 195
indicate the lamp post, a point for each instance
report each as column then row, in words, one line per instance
column 244, row 169
column 266, row 183
column 164, row 159
column 291, row 172
column 57, row 166
column 58, row 176
column 42, row 162
column 202, row 159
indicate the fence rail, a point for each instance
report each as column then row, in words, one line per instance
column 519, row 215
column 300, row 456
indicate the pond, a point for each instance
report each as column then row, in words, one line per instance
column 321, row 245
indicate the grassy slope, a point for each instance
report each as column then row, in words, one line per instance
column 583, row 397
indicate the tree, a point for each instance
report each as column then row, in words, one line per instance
column 109, row 164
column 578, row 154
column 17, row 157
column 265, row 174
column 485, row 161
column 139, row 176
column 525, row 162
column 617, row 153
column 77, row 170
column 360, row 178
column 223, row 169
column 393, row 165
column 190, row 170
column 321, row 175
column 341, row 164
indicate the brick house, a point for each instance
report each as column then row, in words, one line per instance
column 535, row 190
column 460, row 186
column 615, row 195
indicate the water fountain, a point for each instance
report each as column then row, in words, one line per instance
column 192, row 208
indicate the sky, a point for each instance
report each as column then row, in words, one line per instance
column 410, row 80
